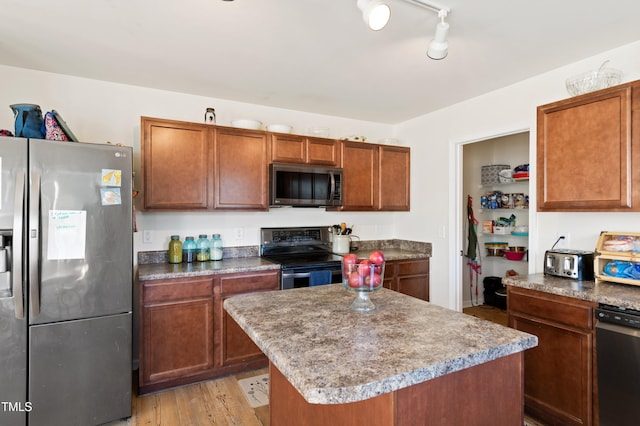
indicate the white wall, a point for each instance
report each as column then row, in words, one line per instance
column 99, row 111
column 435, row 144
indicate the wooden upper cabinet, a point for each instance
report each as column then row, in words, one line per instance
column 241, row 169
column 177, row 165
column 376, row 177
column 304, row 150
column 360, row 176
column 394, row 176
column 588, row 155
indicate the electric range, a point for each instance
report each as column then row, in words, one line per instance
column 304, row 255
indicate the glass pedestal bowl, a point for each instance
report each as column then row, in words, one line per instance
column 362, row 278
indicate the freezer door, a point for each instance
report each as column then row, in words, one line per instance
column 13, row 325
column 80, row 230
column 80, row 371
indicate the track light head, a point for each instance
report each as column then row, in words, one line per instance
column 375, row 13
column 439, row 46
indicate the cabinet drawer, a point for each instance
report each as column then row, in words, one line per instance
column 559, row 309
column 413, row 267
column 248, row 282
column 167, row 290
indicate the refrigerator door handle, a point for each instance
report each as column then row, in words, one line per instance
column 18, row 232
column 34, row 245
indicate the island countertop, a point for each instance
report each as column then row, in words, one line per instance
column 332, row 355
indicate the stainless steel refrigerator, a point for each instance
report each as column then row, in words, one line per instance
column 65, row 282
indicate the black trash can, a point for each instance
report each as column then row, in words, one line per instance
column 501, row 298
column 491, row 284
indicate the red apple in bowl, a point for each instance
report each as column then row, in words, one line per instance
column 376, row 257
column 364, row 267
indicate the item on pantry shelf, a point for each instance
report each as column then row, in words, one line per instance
column 215, row 248
column 489, row 175
column 487, row 227
column 189, row 250
column 505, row 176
column 514, row 255
column 175, row 249
column 520, row 201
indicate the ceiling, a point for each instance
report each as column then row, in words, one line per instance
column 312, row 55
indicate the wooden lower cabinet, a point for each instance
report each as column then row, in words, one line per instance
column 235, row 347
column 559, row 372
column 185, row 334
column 410, row 277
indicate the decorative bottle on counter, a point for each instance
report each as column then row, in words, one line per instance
column 175, row 249
column 189, row 250
column 216, row 247
column 203, row 248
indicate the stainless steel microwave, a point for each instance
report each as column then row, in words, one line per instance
column 304, row 185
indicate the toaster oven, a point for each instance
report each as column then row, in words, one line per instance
column 575, row 264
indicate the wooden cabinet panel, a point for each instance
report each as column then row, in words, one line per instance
column 360, row 175
column 184, row 332
column 376, row 177
column 559, row 371
column 323, row 151
column 395, row 176
column 585, row 160
column 176, row 330
column 304, row 150
column 288, row 149
column 235, row 346
column 176, row 165
column 241, row 169
column 187, row 336
column 410, row 277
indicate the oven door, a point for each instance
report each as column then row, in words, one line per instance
column 310, row 276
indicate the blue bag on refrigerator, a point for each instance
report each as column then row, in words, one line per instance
column 29, row 121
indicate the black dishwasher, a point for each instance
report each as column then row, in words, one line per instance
column 618, row 354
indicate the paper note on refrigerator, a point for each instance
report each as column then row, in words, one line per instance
column 67, row 234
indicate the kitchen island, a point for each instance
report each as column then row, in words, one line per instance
column 407, row 362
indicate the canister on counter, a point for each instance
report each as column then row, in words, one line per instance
column 189, row 250
column 175, row 249
column 203, row 248
column 215, row 247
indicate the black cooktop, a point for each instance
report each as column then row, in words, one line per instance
column 298, row 247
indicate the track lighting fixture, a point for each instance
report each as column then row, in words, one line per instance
column 439, row 46
column 375, row 13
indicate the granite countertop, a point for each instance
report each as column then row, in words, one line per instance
column 622, row 295
column 153, row 265
column 332, row 355
column 159, row 271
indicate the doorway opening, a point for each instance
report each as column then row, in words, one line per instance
column 500, row 221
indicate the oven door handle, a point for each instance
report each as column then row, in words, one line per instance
column 306, row 274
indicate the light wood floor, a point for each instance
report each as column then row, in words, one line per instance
column 217, row 402
column 489, row 313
